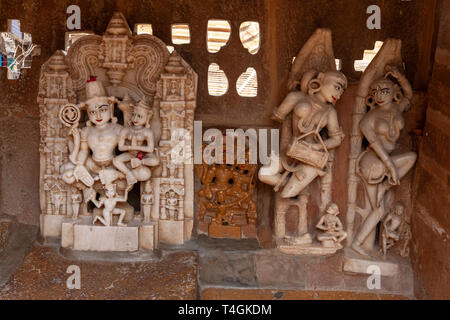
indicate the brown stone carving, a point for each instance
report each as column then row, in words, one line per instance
column 226, row 205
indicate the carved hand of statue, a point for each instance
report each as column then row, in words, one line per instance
column 82, row 174
column 393, row 71
column 393, row 179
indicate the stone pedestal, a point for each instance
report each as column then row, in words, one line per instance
column 81, row 235
column 148, row 236
column 171, row 231
column 303, row 245
column 214, row 230
column 314, row 249
column 356, row 263
column 220, row 231
column 51, row 225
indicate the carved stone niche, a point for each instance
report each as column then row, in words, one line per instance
column 111, row 113
column 227, row 208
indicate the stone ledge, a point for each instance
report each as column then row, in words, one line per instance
column 214, row 293
column 270, row 269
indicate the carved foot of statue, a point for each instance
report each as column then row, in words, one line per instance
column 102, row 221
column 359, row 249
column 121, row 224
column 303, row 239
column 131, row 179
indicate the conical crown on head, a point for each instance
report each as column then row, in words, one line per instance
column 94, row 88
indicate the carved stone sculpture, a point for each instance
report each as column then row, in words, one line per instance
column 109, row 203
column 116, row 92
column 226, row 205
column 395, row 228
column 333, row 230
column 386, row 93
column 306, row 153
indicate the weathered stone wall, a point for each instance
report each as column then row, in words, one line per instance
column 431, row 190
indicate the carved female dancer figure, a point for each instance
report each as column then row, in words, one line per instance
column 381, row 126
column 311, row 113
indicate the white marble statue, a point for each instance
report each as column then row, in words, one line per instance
column 107, row 113
column 306, row 153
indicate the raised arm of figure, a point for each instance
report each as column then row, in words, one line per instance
column 98, row 203
column 288, row 104
column 75, row 132
column 84, row 149
column 404, row 104
column 125, row 196
column 320, row 224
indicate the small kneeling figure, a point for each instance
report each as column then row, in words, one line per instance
column 109, row 202
column 333, row 229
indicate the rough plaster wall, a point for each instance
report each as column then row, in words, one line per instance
column 431, row 190
column 285, row 26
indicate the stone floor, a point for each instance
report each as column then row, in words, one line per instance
column 204, row 268
column 43, row 275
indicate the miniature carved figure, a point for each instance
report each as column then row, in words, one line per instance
column 57, row 201
column 109, row 202
column 172, row 205
column 392, row 224
column 76, row 201
column 333, row 229
column 147, row 202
